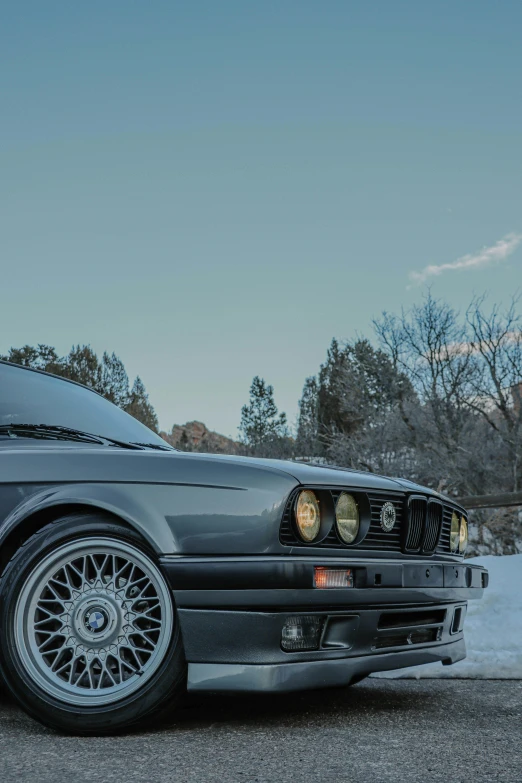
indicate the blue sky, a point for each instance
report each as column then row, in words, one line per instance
column 215, row 190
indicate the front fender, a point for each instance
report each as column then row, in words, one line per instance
column 173, row 518
column 120, row 500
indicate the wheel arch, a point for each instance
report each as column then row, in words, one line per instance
column 18, row 534
column 110, row 502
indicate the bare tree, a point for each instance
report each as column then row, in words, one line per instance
column 496, row 347
column 430, row 346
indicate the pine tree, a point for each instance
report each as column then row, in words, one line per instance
column 330, row 394
column 261, row 425
column 43, row 357
column 115, row 381
column 82, row 366
column 140, row 407
column 306, row 443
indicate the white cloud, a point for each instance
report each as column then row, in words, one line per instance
column 485, row 257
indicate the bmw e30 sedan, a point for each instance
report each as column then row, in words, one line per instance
column 131, row 572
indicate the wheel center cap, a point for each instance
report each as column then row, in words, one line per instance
column 96, row 620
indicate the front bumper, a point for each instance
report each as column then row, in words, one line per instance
column 232, row 612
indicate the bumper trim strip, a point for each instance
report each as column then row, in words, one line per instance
column 293, row 573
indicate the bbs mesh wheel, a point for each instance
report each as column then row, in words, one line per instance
column 93, row 621
column 90, row 640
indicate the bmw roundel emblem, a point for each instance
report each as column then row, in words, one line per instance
column 388, row 517
column 96, row 621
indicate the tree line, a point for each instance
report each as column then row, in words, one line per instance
column 435, row 397
column 107, row 376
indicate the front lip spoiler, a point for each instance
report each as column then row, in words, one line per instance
column 286, row 677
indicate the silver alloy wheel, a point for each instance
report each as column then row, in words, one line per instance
column 93, row 621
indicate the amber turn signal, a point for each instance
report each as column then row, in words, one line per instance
column 328, row 578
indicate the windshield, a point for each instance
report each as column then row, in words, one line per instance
column 28, row 397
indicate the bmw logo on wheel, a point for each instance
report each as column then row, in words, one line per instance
column 388, row 517
column 96, row 621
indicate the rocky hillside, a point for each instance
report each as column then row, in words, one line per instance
column 194, row 436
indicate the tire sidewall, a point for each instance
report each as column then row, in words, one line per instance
column 164, row 684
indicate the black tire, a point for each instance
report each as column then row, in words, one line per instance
column 166, row 676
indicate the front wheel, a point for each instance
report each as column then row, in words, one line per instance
column 90, row 641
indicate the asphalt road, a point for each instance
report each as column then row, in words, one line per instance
column 380, row 730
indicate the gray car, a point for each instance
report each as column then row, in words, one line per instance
column 132, row 572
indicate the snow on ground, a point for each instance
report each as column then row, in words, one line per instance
column 493, row 628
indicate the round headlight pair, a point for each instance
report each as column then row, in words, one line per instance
column 308, row 516
column 458, row 533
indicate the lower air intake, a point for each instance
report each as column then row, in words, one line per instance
column 418, row 636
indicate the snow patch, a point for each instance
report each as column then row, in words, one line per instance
column 493, row 629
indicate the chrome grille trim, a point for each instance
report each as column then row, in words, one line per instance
column 433, row 528
column 417, row 508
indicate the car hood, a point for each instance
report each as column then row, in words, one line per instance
column 92, row 462
column 325, row 475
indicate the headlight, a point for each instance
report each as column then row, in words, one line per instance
column 463, row 537
column 308, row 515
column 347, row 517
column 454, row 532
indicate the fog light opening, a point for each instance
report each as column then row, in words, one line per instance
column 302, row 633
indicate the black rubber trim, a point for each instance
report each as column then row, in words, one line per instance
column 226, row 636
column 294, row 573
